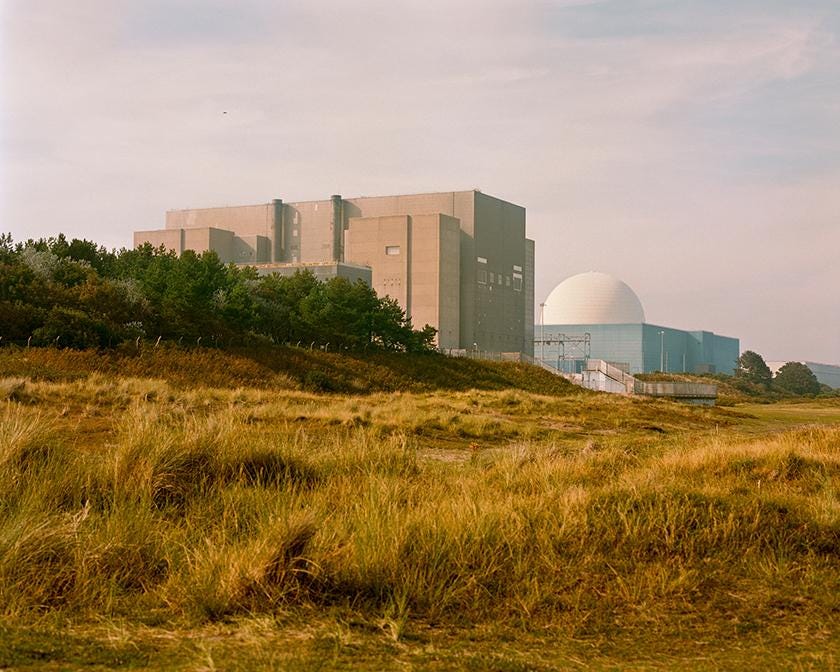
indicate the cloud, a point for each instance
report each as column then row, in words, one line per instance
column 649, row 139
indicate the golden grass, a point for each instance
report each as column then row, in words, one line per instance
column 590, row 517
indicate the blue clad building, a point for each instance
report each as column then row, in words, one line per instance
column 596, row 316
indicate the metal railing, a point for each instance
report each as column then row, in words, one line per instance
column 632, row 385
column 676, row 390
column 490, row 355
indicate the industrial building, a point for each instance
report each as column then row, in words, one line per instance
column 596, row 316
column 458, row 261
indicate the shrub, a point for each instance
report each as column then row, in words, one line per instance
column 318, row 381
column 70, row 328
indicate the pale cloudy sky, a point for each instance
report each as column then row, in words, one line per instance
column 689, row 147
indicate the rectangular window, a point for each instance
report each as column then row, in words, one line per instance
column 481, row 260
column 482, row 277
column 507, row 281
column 492, row 277
column 499, row 279
column 294, row 233
column 517, row 282
column 392, row 250
column 517, row 268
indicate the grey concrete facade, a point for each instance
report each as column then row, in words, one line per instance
column 463, row 253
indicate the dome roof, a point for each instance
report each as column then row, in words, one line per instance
column 593, row 298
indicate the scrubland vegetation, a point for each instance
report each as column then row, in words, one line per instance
column 75, row 294
column 146, row 522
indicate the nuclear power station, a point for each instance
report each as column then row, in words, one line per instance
column 459, row 261
column 596, row 316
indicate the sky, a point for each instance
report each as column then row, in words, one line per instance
column 689, row 147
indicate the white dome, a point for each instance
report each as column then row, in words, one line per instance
column 593, row 298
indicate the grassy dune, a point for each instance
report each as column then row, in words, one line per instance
column 281, row 368
column 148, row 524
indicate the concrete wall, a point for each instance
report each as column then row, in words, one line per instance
column 449, row 302
column 499, row 309
column 674, row 351
column 171, row 240
column 434, row 272
column 715, row 353
column 308, row 232
column 242, row 220
column 528, row 282
column 202, row 240
column 367, row 243
column 494, row 317
column 251, row 250
column 457, row 204
column 415, row 260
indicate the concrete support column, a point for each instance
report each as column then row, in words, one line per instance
column 278, row 254
column 337, row 227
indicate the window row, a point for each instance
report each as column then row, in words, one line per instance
column 489, row 277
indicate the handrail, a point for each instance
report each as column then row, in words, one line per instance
column 631, row 384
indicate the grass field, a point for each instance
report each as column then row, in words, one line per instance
column 153, row 520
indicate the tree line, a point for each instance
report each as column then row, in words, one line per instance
column 77, row 294
column 791, row 378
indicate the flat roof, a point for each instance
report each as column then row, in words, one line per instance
column 350, row 198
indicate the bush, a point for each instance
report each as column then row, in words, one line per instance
column 69, row 328
column 318, row 381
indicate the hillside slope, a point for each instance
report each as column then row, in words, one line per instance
column 285, row 368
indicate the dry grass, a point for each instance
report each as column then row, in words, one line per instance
column 593, row 518
column 282, row 368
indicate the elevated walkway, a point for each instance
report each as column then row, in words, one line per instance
column 603, row 376
column 606, row 377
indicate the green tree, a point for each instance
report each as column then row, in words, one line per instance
column 114, row 304
column 69, row 328
column 18, row 320
column 753, row 369
column 341, row 313
column 277, row 307
column 796, row 378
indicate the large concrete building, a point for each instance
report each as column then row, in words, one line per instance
column 457, row 260
column 596, row 316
